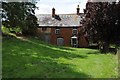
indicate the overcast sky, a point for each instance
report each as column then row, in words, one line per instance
column 61, row 6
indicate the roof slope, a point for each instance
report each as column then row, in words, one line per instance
column 59, row 20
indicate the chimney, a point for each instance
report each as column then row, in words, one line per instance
column 53, row 12
column 78, row 10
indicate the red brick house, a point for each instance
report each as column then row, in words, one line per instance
column 62, row 29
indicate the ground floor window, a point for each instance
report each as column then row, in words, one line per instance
column 60, row 41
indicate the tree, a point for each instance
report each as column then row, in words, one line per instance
column 31, row 25
column 103, row 22
column 16, row 14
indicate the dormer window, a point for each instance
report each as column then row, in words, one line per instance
column 57, row 31
column 74, row 31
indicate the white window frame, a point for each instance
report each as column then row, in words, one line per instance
column 74, row 30
column 57, row 31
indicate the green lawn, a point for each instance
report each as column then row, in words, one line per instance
column 33, row 58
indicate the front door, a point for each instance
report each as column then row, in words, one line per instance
column 74, row 42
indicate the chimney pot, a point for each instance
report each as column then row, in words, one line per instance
column 78, row 10
column 53, row 12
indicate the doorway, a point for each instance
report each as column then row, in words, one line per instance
column 74, row 41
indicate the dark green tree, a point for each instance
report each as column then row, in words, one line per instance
column 16, row 14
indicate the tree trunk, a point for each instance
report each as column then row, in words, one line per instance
column 116, row 48
column 106, row 47
column 100, row 44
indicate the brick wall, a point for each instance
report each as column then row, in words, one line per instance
column 65, row 33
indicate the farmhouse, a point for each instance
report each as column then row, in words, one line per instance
column 62, row 29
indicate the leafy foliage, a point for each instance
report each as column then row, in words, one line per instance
column 16, row 14
column 103, row 21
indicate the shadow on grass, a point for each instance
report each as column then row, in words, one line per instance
column 95, row 52
column 41, row 68
column 93, row 47
column 41, row 49
column 29, row 59
column 111, row 51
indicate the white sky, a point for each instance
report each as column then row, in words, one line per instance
column 61, row 6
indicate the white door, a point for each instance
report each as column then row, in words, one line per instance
column 74, row 42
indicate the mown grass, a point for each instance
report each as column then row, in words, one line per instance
column 33, row 58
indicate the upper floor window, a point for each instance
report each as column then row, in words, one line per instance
column 57, row 31
column 44, row 29
column 74, row 31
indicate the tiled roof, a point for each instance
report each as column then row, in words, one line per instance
column 63, row 20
